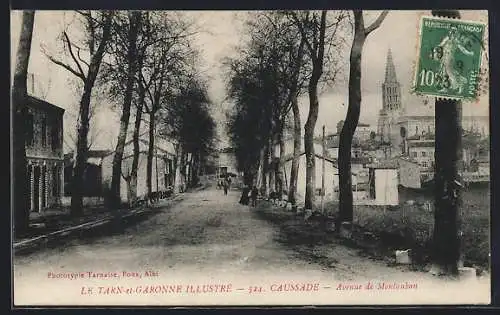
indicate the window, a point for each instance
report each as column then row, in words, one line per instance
column 30, row 131
column 43, row 131
column 54, row 135
column 414, row 154
column 424, row 154
column 425, row 164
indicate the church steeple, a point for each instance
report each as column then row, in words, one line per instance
column 391, row 89
column 390, row 70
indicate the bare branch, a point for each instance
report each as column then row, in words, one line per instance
column 80, row 58
column 300, row 26
column 377, row 22
column 65, row 66
column 70, row 49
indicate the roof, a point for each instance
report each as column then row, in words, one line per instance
column 93, row 157
column 289, row 157
column 432, row 117
column 408, row 159
column 334, row 162
column 421, row 143
column 41, row 104
column 98, row 153
column 160, row 143
column 391, row 164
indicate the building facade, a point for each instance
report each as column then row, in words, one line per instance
column 44, row 153
column 163, row 172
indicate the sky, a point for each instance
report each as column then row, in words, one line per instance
column 220, row 34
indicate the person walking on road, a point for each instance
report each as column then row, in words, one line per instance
column 244, row 200
column 226, row 185
column 254, row 195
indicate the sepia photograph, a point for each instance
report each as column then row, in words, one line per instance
column 232, row 158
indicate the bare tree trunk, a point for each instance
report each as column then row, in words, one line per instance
column 19, row 100
column 83, row 123
column 350, row 124
column 149, row 166
column 189, row 162
column 272, row 170
column 134, row 18
column 183, row 166
column 177, row 174
column 294, row 171
column 448, row 196
column 135, row 140
column 309, row 138
column 279, row 171
column 265, row 165
column 352, row 116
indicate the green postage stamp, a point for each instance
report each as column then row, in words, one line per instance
column 449, row 58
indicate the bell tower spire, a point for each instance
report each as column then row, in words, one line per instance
column 391, row 104
column 391, row 89
column 390, row 70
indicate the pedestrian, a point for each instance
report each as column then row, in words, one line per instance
column 226, row 186
column 244, row 200
column 254, row 194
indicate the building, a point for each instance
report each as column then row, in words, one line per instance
column 383, row 183
column 421, row 151
column 362, row 132
column 163, row 172
column 332, row 147
column 331, row 176
column 227, row 162
column 413, row 116
column 44, row 153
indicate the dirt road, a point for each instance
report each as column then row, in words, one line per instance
column 209, row 239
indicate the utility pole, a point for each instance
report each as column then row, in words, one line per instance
column 447, row 198
column 323, row 173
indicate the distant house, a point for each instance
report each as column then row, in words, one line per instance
column 226, row 162
column 383, row 183
column 362, row 132
column 332, row 147
column 163, row 173
column 331, row 176
column 421, row 151
column 44, row 153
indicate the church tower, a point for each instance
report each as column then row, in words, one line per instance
column 388, row 130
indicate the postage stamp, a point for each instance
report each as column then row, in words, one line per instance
column 449, row 58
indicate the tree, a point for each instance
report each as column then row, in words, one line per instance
column 129, row 45
column 19, row 101
column 447, row 191
column 353, row 112
column 189, row 122
column 265, row 82
column 313, row 28
column 97, row 34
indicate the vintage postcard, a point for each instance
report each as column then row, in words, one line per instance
column 210, row 158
